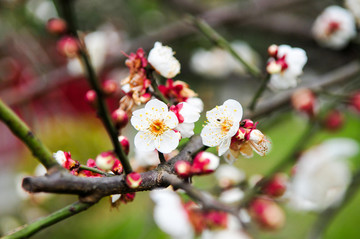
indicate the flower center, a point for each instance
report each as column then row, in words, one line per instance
column 225, row 125
column 332, row 28
column 158, row 127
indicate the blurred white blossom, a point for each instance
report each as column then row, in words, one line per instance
column 322, row 175
column 163, row 60
column 334, row 27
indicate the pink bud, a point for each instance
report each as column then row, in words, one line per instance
column 56, row 26
column 273, row 50
column 105, row 160
column 276, row 187
column 144, row 98
column 120, row 118
column 267, row 213
column 127, row 197
column 133, row 179
column 117, row 168
column 124, row 141
column 355, row 101
column 273, row 67
column 68, row 46
column 216, row 219
column 205, row 163
column 334, row 120
column 183, row 168
column 303, row 100
column 109, row 87
column 90, row 97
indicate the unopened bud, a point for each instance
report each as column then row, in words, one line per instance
column 334, row 120
column 273, row 50
column 267, row 213
column 216, row 219
column 355, row 101
column 273, row 67
column 105, row 160
column 205, row 163
column 68, row 46
column 144, row 98
column 133, row 179
column 56, row 26
column 90, row 97
column 120, row 118
column 183, row 168
column 117, row 168
column 127, row 197
column 110, row 87
column 276, row 187
column 124, row 142
column 303, row 100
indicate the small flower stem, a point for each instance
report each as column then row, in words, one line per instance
column 28, row 230
column 327, row 216
column 22, row 131
column 214, row 36
column 103, row 111
column 161, row 157
column 95, row 170
column 259, row 92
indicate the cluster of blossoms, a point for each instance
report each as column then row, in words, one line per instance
column 334, row 27
column 285, row 66
column 233, row 136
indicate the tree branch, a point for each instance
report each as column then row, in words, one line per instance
column 28, row 230
column 22, row 131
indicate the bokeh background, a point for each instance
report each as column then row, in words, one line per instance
column 35, row 81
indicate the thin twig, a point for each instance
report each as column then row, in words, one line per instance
column 103, row 111
column 26, row 231
column 214, row 36
column 259, row 92
column 22, row 131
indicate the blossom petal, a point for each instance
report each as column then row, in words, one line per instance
column 189, row 112
column 235, row 109
column 156, row 109
column 186, row 129
column 211, row 136
column 139, row 120
column 143, row 141
column 224, row 146
column 171, row 120
column 167, row 142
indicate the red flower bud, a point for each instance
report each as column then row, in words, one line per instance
column 56, row 26
column 205, row 163
column 124, row 141
column 90, row 97
column 273, row 50
column 276, row 187
column 68, row 46
column 106, row 160
column 303, row 100
column 183, row 168
column 120, row 118
column 267, row 213
column 109, row 87
column 355, row 101
column 133, row 179
column 334, row 120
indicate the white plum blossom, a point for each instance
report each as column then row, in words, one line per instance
column 232, row 195
column 145, row 158
column 156, row 127
column 354, row 7
column 196, row 102
column 218, row 63
column 187, row 116
column 322, row 175
column 223, row 123
column 334, row 27
column 163, row 60
column 228, row 175
column 43, row 10
column 170, row 215
column 285, row 66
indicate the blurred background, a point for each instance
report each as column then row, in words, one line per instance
column 48, row 91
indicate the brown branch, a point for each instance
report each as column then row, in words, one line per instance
column 92, row 189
